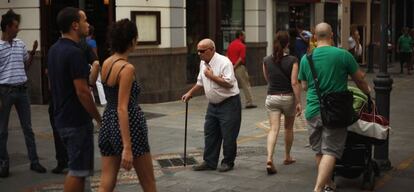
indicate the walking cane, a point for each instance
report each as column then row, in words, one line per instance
column 185, row 134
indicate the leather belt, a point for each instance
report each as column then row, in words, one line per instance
column 282, row 94
column 21, row 86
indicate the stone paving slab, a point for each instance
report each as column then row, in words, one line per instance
column 166, row 135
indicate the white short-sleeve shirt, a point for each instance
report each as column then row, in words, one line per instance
column 222, row 67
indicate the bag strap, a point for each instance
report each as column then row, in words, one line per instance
column 315, row 77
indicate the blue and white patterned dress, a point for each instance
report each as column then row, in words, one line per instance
column 110, row 141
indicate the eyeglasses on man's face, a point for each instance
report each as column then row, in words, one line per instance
column 202, row 50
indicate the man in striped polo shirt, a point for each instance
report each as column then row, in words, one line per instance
column 14, row 61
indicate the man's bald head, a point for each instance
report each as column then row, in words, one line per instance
column 323, row 31
column 206, row 49
column 207, row 43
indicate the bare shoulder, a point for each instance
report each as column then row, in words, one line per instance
column 127, row 71
column 128, row 68
column 107, row 62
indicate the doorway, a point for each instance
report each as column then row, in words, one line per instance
column 197, row 17
column 96, row 11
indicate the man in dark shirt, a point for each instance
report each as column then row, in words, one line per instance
column 60, row 150
column 302, row 41
column 72, row 100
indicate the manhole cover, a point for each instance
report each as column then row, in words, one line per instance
column 175, row 162
column 149, row 115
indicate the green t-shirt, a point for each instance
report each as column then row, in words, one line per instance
column 405, row 43
column 332, row 65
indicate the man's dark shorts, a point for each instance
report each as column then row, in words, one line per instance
column 79, row 144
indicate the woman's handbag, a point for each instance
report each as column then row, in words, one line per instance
column 336, row 107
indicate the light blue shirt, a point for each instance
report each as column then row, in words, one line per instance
column 12, row 59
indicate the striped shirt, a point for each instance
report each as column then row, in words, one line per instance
column 12, row 59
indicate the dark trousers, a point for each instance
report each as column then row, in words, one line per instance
column 60, row 149
column 222, row 125
column 19, row 97
column 405, row 57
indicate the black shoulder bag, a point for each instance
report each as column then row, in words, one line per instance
column 336, row 107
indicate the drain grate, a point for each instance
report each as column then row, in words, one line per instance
column 175, row 162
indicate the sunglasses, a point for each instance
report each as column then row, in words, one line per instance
column 202, row 50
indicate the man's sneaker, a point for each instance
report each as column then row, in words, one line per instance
column 203, row 167
column 224, row 167
column 4, row 172
column 37, row 168
column 59, row 169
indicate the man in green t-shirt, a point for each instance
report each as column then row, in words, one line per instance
column 332, row 65
column 405, row 49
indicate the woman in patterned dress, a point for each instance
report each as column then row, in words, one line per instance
column 123, row 138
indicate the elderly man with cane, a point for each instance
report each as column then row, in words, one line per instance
column 223, row 115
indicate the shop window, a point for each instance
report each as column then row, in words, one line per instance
column 299, row 13
column 149, row 26
column 282, row 15
column 232, row 20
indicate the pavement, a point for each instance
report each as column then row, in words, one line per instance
column 166, row 136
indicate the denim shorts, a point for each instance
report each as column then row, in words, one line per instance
column 79, row 145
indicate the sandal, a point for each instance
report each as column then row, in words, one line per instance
column 329, row 189
column 289, row 161
column 270, row 168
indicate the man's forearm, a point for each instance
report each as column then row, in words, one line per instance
column 29, row 61
column 87, row 102
column 363, row 86
column 194, row 89
column 93, row 76
column 221, row 81
column 238, row 63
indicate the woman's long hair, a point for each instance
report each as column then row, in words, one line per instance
column 279, row 44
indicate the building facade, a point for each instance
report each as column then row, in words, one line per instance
column 166, row 59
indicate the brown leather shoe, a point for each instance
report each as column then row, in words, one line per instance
column 203, row 167
column 37, row 167
column 251, row 106
column 4, row 172
column 224, row 167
